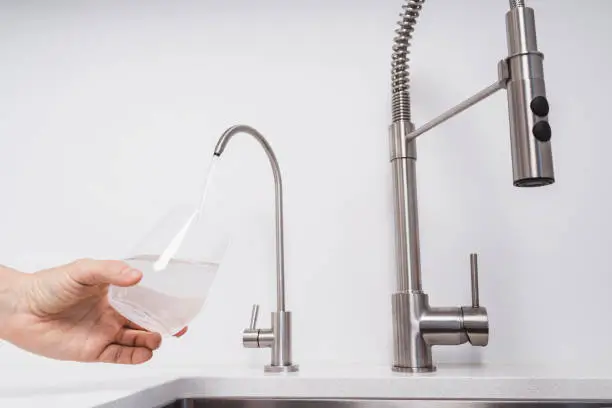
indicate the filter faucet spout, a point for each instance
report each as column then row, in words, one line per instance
column 278, row 184
column 278, row 337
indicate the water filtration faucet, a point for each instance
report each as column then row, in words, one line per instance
column 278, row 336
column 417, row 326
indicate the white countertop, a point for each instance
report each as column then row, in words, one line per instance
column 77, row 399
column 164, row 384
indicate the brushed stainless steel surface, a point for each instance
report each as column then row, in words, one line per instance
column 474, row 277
column 407, row 241
column 503, row 76
column 407, row 247
column 416, row 325
column 532, row 160
column 443, row 326
column 293, row 368
column 250, row 338
column 278, row 336
column 401, row 148
column 266, row 338
column 281, row 329
column 475, row 318
column 411, row 353
column 379, row 403
column 400, row 61
column 254, row 314
column 278, row 187
column 476, row 325
column 454, row 111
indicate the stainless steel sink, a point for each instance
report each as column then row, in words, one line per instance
column 322, row 403
column 182, row 393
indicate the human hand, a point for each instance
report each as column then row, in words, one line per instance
column 63, row 313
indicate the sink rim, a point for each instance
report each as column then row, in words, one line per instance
column 194, row 389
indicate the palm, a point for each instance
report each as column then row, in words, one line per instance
column 91, row 330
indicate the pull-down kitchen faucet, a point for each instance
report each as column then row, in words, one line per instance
column 416, row 325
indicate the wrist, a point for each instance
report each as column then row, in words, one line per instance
column 11, row 299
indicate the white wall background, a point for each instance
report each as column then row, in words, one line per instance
column 109, row 111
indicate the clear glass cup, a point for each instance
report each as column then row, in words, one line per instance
column 179, row 260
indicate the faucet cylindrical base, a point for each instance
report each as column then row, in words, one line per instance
column 417, row 327
column 414, row 370
column 293, row 368
column 281, row 346
column 410, row 351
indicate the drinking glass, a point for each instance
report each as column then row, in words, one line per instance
column 179, row 259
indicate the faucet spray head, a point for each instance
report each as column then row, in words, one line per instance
column 528, row 108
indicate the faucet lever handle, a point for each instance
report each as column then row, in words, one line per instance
column 474, row 278
column 254, row 314
column 475, row 318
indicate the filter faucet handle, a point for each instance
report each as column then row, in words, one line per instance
column 251, row 335
column 254, row 314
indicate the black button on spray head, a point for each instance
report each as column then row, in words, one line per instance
column 539, row 106
column 542, row 131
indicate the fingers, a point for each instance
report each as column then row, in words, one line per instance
column 118, row 354
column 133, row 346
column 139, row 338
column 90, row 272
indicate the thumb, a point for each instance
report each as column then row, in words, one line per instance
column 90, row 272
